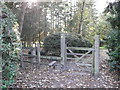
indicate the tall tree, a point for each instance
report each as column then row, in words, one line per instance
column 80, row 31
column 24, row 6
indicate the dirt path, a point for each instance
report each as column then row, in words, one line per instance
column 74, row 76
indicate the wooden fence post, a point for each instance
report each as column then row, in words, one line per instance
column 21, row 56
column 63, row 49
column 96, row 55
column 38, row 53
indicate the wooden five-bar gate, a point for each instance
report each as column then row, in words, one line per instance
column 94, row 52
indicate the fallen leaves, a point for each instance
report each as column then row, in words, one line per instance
column 73, row 77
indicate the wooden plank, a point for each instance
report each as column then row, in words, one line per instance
column 82, row 64
column 52, row 63
column 73, row 53
column 96, row 60
column 78, row 54
column 72, row 58
column 83, row 55
column 51, row 57
column 80, row 48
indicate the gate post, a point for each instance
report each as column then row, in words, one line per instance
column 96, row 55
column 63, row 49
column 38, row 53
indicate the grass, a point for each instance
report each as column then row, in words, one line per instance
column 103, row 47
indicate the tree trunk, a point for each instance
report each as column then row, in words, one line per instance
column 45, row 24
column 80, row 31
column 24, row 6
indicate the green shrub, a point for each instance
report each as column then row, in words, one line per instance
column 113, row 45
column 52, row 43
column 113, row 41
column 9, row 46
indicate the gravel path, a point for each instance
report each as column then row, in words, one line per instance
column 73, row 76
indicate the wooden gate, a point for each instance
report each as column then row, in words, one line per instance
column 94, row 52
column 78, row 56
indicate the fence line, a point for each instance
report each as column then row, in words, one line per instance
column 63, row 57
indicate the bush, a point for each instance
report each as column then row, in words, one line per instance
column 113, row 45
column 52, row 43
column 113, row 41
column 10, row 43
